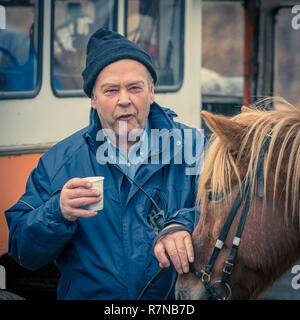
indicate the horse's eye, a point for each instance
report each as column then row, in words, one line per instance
column 215, row 197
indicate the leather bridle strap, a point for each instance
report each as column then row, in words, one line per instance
column 204, row 275
column 220, row 242
column 229, row 263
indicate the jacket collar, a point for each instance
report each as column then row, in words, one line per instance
column 159, row 118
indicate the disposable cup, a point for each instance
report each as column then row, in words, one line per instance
column 97, row 184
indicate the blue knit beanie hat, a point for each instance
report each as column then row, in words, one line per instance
column 106, row 47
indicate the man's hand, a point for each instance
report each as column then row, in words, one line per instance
column 178, row 246
column 75, row 194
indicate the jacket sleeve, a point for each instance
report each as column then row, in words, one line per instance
column 37, row 230
column 186, row 216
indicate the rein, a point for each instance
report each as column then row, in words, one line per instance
column 213, row 289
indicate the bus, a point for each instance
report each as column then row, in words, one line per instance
column 209, row 55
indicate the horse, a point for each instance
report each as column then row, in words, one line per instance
column 259, row 146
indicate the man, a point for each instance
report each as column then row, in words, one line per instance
column 108, row 254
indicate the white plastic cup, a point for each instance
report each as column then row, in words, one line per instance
column 97, row 184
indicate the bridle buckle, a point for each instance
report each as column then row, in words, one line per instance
column 228, row 267
column 205, row 277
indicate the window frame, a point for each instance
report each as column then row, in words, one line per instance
column 70, row 93
column 32, row 93
column 176, row 87
column 274, row 14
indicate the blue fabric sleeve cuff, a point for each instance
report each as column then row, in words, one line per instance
column 185, row 216
column 55, row 214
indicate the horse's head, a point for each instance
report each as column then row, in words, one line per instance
column 261, row 147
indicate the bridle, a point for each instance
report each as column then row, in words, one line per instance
column 213, row 288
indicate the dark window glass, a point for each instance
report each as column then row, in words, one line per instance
column 19, row 47
column 286, row 55
column 158, row 27
column 74, row 22
column 222, row 48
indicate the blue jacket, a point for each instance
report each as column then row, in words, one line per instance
column 110, row 255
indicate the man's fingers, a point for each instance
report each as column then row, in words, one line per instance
column 178, row 247
column 82, row 192
column 182, row 254
column 81, row 213
column 189, row 247
column 161, row 256
column 78, row 182
column 84, row 201
column 185, row 251
column 75, row 194
column 172, row 252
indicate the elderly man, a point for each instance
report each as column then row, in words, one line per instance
column 108, row 254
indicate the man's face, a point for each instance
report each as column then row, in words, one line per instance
column 122, row 94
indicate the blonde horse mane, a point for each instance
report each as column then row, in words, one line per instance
column 221, row 164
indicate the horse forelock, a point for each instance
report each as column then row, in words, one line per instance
column 223, row 167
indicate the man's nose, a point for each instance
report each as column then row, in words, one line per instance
column 124, row 98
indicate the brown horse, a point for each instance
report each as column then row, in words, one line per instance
column 270, row 242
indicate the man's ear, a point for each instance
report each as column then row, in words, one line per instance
column 230, row 132
column 93, row 101
column 152, row 97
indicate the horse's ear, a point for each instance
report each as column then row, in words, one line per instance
column 246, row 109
column 229, row 131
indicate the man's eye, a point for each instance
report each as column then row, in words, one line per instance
column 135, row 89
column 110, row 91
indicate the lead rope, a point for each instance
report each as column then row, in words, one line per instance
column 156, row 277
column 162, row 271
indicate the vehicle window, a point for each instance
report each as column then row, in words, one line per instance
column 222, row 48
column 19, row 54
column 286, row 55
column 74, row 22
column 158, row 27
